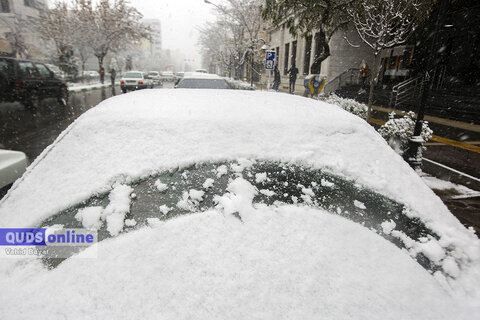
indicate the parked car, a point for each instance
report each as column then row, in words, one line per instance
column 235, row 204
column 203, row 81
column 12, row 166
column 29, row 82
column 155, row 76
column 134, row 80
column 168, row 76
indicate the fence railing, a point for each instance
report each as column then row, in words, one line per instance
column 347, row 77
column 406, row 92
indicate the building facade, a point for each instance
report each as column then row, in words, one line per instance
column 18, row 33
column 346, row 53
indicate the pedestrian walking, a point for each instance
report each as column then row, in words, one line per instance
column 113, row 74
column 293, row 71
column 276, row 78
column 363, row 75
column 101, row 71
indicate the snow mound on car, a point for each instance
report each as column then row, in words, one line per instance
column 133, row 136
column 275, row 263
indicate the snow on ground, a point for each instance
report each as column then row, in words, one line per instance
column 456, row 190
column 276, row 263
column 82, row 87
column 133, row 136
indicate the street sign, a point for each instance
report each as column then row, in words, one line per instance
column 269, row 59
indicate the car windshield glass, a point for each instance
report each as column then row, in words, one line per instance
column 133, row 75
column 203, row 84
column 197, row 188
column 27, row 69
column 153, row 73
column 44, row 72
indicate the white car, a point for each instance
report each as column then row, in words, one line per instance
column 155, row 77
column 135, row 80
column 12, row 166
column 234, row 204
column 168, row 76
column 197, row 80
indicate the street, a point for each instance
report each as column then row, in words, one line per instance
column 32, row 130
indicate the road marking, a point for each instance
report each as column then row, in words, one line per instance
column 446, row 141
column 446, row 122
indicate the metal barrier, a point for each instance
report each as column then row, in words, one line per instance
column 406, row 92
column 349, row 76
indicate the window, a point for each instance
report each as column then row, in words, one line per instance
column 29, row 3
column 4, row 67
column 43, row 70
column 294, row 53
column 27, row 69
column 4, row 6
column 308, row 54
column 285, row 58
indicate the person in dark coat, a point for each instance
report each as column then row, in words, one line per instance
column 113, row 74
column 363, row 75
column 101, row 71
column 276, row 78
column 293, row 71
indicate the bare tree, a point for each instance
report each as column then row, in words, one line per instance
column 304, row 17
column 233, row 38
column 113, row 24
column 57, row 25
column 384, row 24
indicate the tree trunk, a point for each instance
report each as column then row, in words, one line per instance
column 373, row 82
column 101, row 70
column 321, row 53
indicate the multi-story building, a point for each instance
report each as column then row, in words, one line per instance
column 156, row 40
column 18, row 33
column 346, row 53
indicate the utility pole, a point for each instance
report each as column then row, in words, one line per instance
column 413, row 155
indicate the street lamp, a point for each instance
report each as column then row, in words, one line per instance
column 413, row 154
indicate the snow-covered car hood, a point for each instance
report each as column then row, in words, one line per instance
column 137, row 135
column 287, row 262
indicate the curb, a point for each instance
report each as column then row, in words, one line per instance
column 443, row 172
column 71, row 90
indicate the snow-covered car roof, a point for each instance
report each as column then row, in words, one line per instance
column 134, row 136
column 200, row 75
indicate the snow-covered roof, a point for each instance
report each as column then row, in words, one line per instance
column 200, row 75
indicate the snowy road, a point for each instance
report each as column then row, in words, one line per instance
column 31, row 131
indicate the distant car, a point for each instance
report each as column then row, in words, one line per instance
column 12, row 166
column 201, row 71
column 155, row 76
column 134, row 80
column 168, row 76
column 203, row 81
column 29, row 82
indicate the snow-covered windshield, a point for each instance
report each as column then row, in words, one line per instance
column 200, row 187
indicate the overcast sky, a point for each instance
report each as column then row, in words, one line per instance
column 180, row 20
